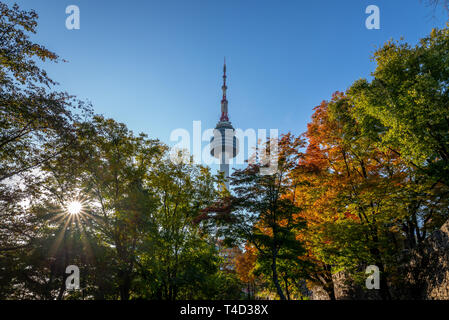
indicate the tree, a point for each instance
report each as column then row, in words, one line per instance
column 344, row 183
column 178, row 255
column 363, row 204
column 105, row 170
column 408, row 97
column 404, row 111
column 36, row 122
column 244, row 265
column 261, row 211
column 136, row 235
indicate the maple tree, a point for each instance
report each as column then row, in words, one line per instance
column 338, row 175
column 244, row 265
column 363, row 204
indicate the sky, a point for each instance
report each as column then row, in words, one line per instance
column 157, row 65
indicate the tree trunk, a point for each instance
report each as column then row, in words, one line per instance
column 125, row 285
column 286, row 288
column 330, row 291
column 276, row 279
column 62, row 288
column 384, row 290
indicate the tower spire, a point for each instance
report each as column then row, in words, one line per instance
column 224, row 101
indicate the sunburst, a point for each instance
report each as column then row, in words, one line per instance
column 75, row 215
column 74, row 207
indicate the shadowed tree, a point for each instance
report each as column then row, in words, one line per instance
column 36, row 122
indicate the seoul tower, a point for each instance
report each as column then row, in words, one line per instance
column 224, row 143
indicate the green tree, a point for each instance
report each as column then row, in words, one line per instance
column 112, row 170
column 36, row 122
column 408, row 98
column 179, row 256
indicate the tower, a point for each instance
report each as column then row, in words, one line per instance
column 224, row 143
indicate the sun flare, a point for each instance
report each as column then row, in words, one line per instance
column 74, row 207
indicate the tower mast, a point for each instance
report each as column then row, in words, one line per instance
column 224, row 100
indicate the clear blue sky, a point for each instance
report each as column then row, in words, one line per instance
column 156, row 65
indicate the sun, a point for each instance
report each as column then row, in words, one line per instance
column 74, row 207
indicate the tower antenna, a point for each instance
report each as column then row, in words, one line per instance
column 224, row 100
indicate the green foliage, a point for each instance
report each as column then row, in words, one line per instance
column 408, row 102
column 36, row 122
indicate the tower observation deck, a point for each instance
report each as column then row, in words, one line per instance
column 224, row 143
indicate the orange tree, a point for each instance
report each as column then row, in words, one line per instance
column 348, row 189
